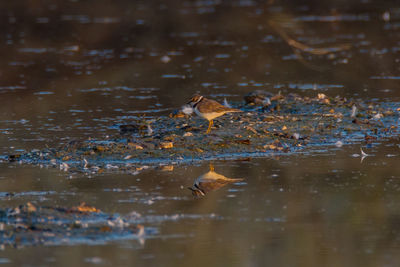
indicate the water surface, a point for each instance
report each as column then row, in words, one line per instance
column 73, row 70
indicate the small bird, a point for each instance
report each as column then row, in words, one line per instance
column 209, row 109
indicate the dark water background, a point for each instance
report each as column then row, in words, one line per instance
column 74, row 69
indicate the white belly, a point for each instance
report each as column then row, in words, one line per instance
column 208, row 116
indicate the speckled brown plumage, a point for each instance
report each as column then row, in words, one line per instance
column 209, row 109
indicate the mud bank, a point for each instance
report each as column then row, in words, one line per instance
column 285, row 125
column 28, row 225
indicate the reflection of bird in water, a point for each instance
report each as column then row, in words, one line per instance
column 210, row 181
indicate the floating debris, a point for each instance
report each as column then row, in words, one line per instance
column 165, row 59
column 339, row 144
column 149, row 130
column 386, row 16
column 363, row 154
column 226, row 104
column 86, row 163
column 353, row 111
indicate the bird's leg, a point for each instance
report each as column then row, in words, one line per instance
column 211, row 167
column 209, row 126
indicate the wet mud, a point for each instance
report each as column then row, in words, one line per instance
column 269, row 125
column 29, row 225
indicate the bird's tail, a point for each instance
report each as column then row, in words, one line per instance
column 234, row 110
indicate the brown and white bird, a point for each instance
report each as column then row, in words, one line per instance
column 209, row 109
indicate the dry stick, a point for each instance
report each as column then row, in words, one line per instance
column 295, row 45
column 303, row 47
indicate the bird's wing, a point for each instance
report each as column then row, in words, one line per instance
column 215, row 107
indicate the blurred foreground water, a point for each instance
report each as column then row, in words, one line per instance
column 73, row 70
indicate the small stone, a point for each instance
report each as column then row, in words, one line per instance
column 128, row 129
column 168, row 168
column 166, row 145
column 326, row 101
column 99, row 148
column 30, row 207
column 187, row 134
column 177, row 113
column 170, row 137
column 258, row 97
column 149, row 145
column 377, row 116
column 270, row 146
column 135, row 146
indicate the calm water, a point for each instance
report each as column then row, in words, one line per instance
column 71, row 70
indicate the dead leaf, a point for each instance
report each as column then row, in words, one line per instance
column 243, row 141
column 166, row 145
column 83, row 207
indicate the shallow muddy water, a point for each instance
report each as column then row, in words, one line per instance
column 74, row 70
column 307, row 210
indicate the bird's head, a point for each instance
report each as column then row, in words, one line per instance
column 195, row 99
